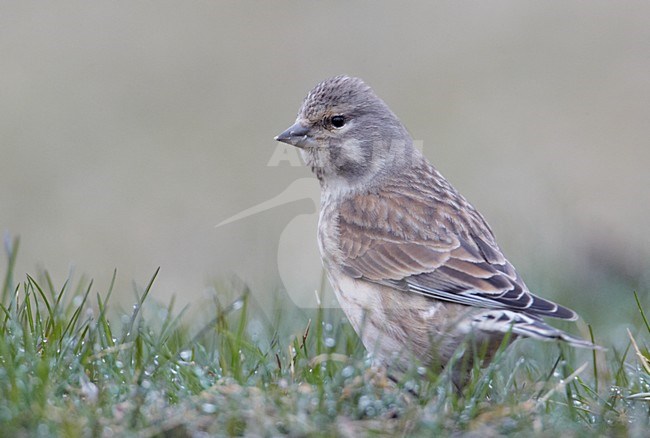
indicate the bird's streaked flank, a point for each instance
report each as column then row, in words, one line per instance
column 414, row 266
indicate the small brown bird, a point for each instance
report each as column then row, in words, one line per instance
column 414, row 266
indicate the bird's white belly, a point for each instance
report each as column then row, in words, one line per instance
column 362, row 304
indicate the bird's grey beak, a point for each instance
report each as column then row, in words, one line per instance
column 295, row 135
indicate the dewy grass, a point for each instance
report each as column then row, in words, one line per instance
column 73, row 365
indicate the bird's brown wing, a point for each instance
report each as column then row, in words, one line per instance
column 445, row 255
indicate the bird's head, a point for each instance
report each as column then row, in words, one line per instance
column 346, row 134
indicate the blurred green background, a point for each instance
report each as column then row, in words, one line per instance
column 128, row 130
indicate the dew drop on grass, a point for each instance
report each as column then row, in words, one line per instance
column 209, row 408
column 186, row 355
column 364, row 402
column 347, row 371
column 330, row 342
column 410, row 385
column 422, row 371
column 237, row 304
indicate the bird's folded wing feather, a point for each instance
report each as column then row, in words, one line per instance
column 423, row 250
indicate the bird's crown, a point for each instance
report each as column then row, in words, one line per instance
column 338, row 91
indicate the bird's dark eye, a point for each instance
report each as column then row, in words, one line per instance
column 338, row 121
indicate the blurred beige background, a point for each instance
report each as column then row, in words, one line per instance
column 128, row 130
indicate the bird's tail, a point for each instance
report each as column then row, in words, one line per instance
column 505, row 321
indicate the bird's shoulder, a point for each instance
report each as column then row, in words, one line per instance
column 419, row 207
